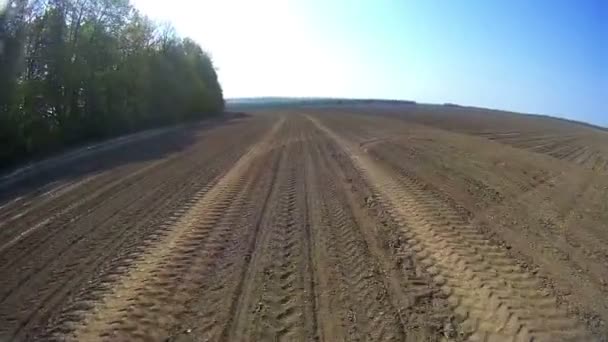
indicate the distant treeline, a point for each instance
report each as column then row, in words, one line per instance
column 81, row 70
column 268, row 102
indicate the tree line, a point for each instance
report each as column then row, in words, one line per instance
column 82, row 70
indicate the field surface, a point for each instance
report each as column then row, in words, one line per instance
column 320, row 223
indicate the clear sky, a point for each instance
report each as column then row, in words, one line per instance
column 536, row 56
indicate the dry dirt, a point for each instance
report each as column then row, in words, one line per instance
column 360, row 223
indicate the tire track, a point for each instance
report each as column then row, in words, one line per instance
column 277, row 301
column 129, row 204
column 149, row 301
column 423, row 309
column 48, row 276
column 98, row 188
column 282, row 317
column 52, row 289
column 112, row 187
column 148, row 233
column 102, row 242
column 212, row 311
column 347, row 269
column 494, row 296
column 48, row 219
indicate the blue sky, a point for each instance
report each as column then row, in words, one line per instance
column 536, row 56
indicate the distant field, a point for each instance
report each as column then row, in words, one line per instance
column 577, row 142
column 320, row 220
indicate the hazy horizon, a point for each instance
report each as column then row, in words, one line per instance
column 546, row 57
column 405, row 101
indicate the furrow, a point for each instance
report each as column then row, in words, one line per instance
column 588, row 157
column 542, row 145
column 563, row 151
column 46, row 217
column 546, row 145
column 573, row 157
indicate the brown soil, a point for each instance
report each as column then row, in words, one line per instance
column 327, row 224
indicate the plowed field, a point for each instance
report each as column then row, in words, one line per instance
column 313, row 225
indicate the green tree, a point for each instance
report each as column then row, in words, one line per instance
column 76, row 70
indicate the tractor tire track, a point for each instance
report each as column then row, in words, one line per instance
column 46, row 223
column 495, row 297
column 149, row 301
column 423, row 310
column 277, row 302
column 211, row 312
column 210, row 315
column 360, row 298
column 36, row 303
column 60, row 246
